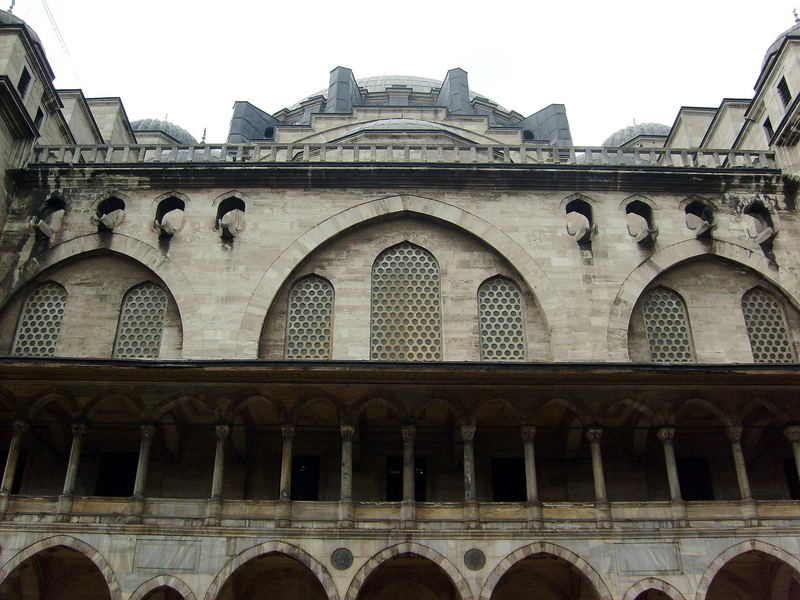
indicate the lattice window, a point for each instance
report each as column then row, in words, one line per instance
column 501, row 322
column 141, row 322
column 40, row 324
column 667, row 324
column 310, row 319
column 769, row 335
column 406, row 305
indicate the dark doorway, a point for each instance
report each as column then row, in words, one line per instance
column 394, row 479
column 694, row 477
column 305, row 478
column 116, row 474
column 508, row 480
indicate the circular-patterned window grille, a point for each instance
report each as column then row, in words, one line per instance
column 667, row 324
column 501, row 323
column 765, row 320
column 406, row 305
column 141, row 323
column 308, row 328
column 40, row 324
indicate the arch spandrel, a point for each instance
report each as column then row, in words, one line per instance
column 533, row 275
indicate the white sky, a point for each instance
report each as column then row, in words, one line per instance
column 609, row 62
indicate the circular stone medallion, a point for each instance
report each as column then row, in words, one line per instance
column 474, row 559
column 342, row 558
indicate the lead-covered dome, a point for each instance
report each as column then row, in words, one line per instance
column 793, row 31
column 6, row 18
column 171, row 129
column 626, row 134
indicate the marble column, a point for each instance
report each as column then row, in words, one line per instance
column 346, row 483
column 65, row 499
column 467, row 437
column 734, row 435
column 531, row 485
column 602, row 509
column 222, row 432
column 792, row 433
column 407, row 509
column 142, row 466
column 18, row 429
column 287, row 431
column 667, row 436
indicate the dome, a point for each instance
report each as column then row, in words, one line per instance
column 172, row 130
column 794, row 30
column 6, row 18
column 379, row 83
column 626, row 134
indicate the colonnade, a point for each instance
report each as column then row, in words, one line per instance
column 408, row 431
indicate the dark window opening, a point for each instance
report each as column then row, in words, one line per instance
column 638, row 207
column 37, row 122
column 508, row 480
column 305, row 478
column 700, row 210
column 106, row 207
column 16, row 485
column 759, row 213
column 694, row 477
column 783, row 91
column 269, row 133
column 581, row 207
column 24, row 82
column 394, row 479
column 51, row 205
column 227, row 205
column 116, row 474
column 168, row 205
column 527, row 135
column 792, row 480
column 768, row 129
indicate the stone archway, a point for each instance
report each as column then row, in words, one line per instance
column 750, row 547
column 649, row 584
column 392, row 552
column 72, row 544
column 534, row 276
column 545, row 548
column 163, row 581
column 671, row 256
column 277, row 548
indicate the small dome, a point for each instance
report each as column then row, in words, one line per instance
column 794, row 30
column 172, row 130
column 6, row 18
column 626, row 134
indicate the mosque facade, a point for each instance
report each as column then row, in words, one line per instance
column 397, row 341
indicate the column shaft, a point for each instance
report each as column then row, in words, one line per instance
column 531, row 486
column 222, row 432
column 78, row 431
column 19, row 428
column 667, row 435
column 735, row 436
column 593, row 435
column 144, row 460
column 287, row 431
column 408, row 432
column 348, row 431
column 793, row 435
column 467, row 436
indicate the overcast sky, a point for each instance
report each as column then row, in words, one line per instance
column 609, row 62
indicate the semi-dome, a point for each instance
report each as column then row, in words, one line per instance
column 794, row 30
column 626, row 134
column 171, row 129
column 6, row 18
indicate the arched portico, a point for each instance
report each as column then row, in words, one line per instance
column 362, row 214
column 666, row 258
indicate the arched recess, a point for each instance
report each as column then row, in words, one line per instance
column 150, row 257
column 73, row 544
column 573, row 559
column 455, row 576
column 534, row 276
column 651, row 583
column 671, row 256
column 317, row 568
column 163, row 581
column 737, row 550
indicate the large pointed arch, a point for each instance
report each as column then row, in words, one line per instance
column 276, row 274
column 72, row 543
column 300, row 555
column 176, row 281
column 671, row 256
column 544, row 548
column 455, row 576
column 732, row 552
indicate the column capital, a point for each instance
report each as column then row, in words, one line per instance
column 148, row 430
column 792, row 433
column 287, row 431
column 734, row 433
column 528, row 433
column 593, row 434
column 666, row 434
column 80, row 428
column 467, row 432
column 348, row 432
column 222, row 430
column 408, row 430
column 19, row 427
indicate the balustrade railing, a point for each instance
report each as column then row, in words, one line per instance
column 149, row 154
